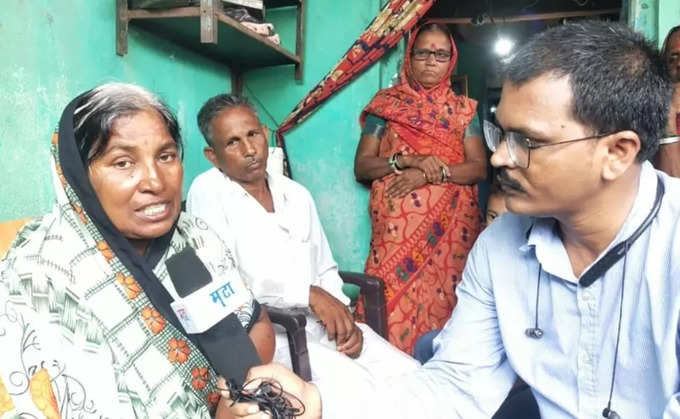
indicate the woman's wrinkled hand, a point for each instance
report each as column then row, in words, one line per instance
column 432, row 166
column 296, row 390
column 405, row 182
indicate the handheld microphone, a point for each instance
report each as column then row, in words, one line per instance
column 206, row 310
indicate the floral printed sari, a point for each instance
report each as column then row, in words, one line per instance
column 420, row 242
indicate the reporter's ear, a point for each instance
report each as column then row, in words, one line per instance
column 619, row 152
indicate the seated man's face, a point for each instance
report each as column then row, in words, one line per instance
column 239, row 145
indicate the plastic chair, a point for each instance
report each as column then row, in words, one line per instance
column 373, row 294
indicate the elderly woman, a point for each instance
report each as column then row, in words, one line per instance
column 423, row 155
column 86, row 327
column 668, row 158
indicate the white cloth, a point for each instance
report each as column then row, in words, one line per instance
column 483, row 347
column 282, row 254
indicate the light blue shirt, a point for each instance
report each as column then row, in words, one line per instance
column 483, row 347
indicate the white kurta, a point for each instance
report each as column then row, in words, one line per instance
column 282, row 254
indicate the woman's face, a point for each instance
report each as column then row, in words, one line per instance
column 673, row 57
column 138, row 178
column 429, row 72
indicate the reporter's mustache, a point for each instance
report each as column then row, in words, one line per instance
column 506, row 180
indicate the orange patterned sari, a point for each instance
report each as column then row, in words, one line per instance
column 420, row 242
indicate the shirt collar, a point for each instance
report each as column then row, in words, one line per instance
column 278, row 193
column 279, row 196
column 543, row 238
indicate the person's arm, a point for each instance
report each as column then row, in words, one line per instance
column 468, row 377
column 325, row 267
column 262, row 335
column 473, row 169
column 326, row 298
column 667, row 159
column 367, row 165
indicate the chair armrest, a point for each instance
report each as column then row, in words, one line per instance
column 373, row 293
column 294, row 323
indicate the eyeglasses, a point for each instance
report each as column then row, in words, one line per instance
column 422, row 54
column 519, row 145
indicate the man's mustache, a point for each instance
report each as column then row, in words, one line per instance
column 505, row 180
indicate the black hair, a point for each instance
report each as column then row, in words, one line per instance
column 99, row 108
column 214, row 106
column 664, row 48
column 618, row 79
column 435, row 27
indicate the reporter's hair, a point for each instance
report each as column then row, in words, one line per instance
column 99, row 108
column 213, row 106
column 618, row 79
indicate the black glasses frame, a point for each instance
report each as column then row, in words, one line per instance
column 445, row 55
column 528, row 143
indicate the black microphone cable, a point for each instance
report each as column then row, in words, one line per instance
column 536, row 332
column 607, row 412
column 269, row 396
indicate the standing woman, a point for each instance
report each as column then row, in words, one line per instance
column 668, row 157
column 423, row 157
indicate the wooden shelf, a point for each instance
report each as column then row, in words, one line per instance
column 208, row 31
column 273, row 4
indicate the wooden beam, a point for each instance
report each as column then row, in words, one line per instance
column 164, row 13
column 300, row 39
column 236, row 81
column 122, row 21
column 524, row 18
column 209, row 10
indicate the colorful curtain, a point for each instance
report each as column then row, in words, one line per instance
column 383, row 33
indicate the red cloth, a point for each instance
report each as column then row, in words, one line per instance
column 677, row 123
column 420, row 242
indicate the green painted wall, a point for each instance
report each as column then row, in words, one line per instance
column 654, row 17
column 669, row 17
column 53, row 50
column 470, row 63
column 322, row 149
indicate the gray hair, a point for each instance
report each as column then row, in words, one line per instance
column 99, row 108
column 214, row 106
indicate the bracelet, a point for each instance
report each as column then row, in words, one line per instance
column 393, row 163
column 396, row 160
column 669, row 140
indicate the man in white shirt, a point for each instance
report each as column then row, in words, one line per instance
column 576, row 291
column 272, row 223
